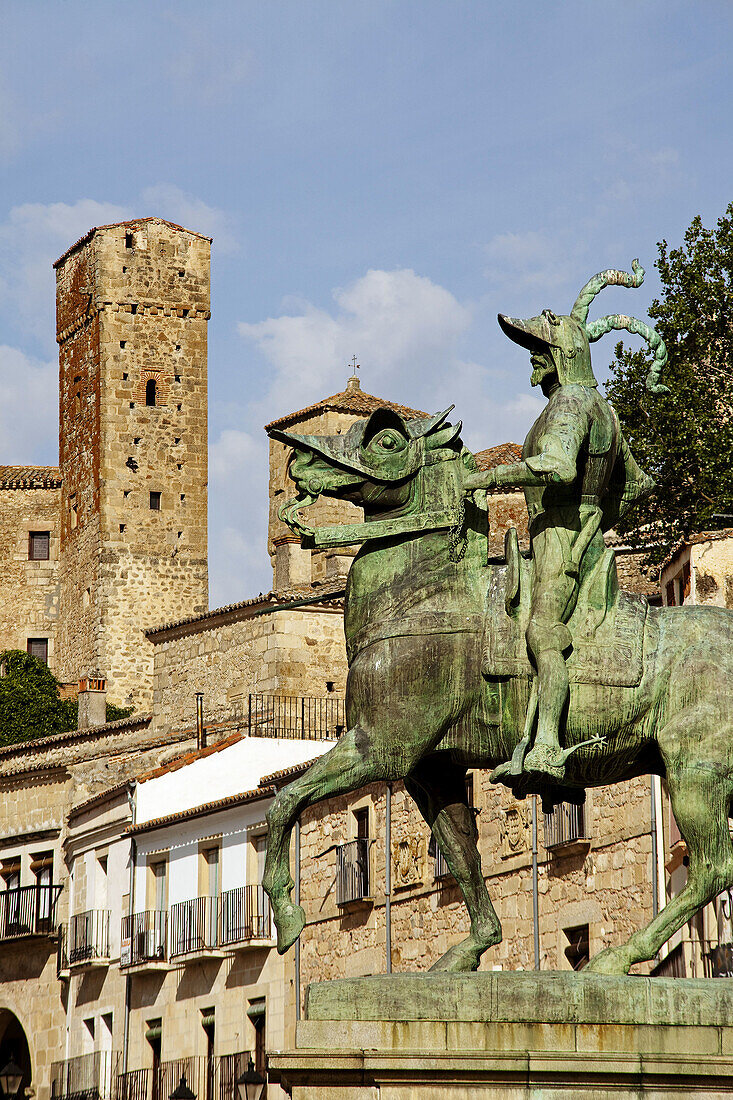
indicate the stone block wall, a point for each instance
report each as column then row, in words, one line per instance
column 230, row 653
column 604, row 882
column 30, row 606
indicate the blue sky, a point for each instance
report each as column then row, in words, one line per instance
column 380, row 178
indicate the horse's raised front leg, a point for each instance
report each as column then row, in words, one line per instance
column 438, row 786
column 343, row 768
column 700, row 798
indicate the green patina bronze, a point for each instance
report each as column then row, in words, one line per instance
column 538, row 667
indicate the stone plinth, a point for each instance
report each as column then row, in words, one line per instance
column 513, row 1036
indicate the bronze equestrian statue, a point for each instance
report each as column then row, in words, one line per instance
column 451, row 652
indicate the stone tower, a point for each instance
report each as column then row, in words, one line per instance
column 132, row 305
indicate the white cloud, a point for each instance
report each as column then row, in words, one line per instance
column 31, row 238
column 165, row 200
column 29, row 407
column 533, row 261
column 403, row 328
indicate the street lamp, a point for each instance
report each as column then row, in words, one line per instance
column 11, row 1078
column 251, row 1083
column 183, row 1092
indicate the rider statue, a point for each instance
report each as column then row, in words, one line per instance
column 579, row 477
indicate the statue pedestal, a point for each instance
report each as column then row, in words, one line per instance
column 511, row 1036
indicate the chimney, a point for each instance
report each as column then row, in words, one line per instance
column 92, row 702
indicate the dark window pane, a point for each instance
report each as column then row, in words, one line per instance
column 38, row 545
column 155, row 501
column 38, row 647
column 150, row 391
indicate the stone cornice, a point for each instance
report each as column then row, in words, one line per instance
column 153, row 309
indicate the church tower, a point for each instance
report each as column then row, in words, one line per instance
column 132, row 305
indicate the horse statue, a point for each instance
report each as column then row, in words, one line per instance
column 439, row 679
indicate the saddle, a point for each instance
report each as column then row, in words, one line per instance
column 606, row 627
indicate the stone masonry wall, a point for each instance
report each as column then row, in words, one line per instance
column 30, row 605
column 288, row 652
column 604, row 882
column 133, row 307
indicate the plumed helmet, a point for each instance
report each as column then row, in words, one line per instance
column 569, row 337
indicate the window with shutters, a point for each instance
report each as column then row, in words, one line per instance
column 38, row 647
column 39, row 545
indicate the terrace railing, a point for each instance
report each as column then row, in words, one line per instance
column 244, row 915
column 28, row 911
column 297, row 716
column 565, row 825
column 353, row 871
column 194, row 926
column 86, row 940
column 144, row 938
column 209, row 1078
column 88, row 1077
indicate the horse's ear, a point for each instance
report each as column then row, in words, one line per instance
column 444, row 437
column 419, row 428
column 379, row 420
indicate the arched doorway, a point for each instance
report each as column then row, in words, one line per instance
column 13, row 1044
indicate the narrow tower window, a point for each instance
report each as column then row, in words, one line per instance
column 150, row 391
column 129, row 240
column 155, row 502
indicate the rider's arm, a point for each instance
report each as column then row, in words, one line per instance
column 556, row 462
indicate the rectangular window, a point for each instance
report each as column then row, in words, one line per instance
column 39, row 544
column 38, row 647
column 155, row 502
column 362, row 823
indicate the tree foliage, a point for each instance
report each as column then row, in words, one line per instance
column 29, row 700
column 684, row 439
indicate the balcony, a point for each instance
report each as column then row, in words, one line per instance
column 28, row 911
column 85, row 943
column 297, row 717
column 209, row 1078
column 565, row 829
column 209, row 926
column 88, row 1077
column 245, row 917
column 144, row 940
column 353, row 877
column 195, row 927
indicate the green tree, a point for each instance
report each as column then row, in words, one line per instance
column 684, row 439
column 29, row 700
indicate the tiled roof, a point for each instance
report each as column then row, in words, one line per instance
column 30, row 477
column 75, row 735
column 203, row 810
column 502, row 455
column 351, row 400
column 113, row 225
column 695, row 540
column 263, row 604
column 99, row 799
column 275, row 778
column 189, row 757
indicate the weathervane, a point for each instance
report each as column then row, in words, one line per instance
column 354, row 379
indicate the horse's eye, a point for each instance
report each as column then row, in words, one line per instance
column 388, row 442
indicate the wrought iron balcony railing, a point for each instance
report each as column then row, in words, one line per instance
column 88, row 1077
column 353, row 871
column 28, row 911
column 85, row 941
column 297, row 716
column 565, row 825
column 144, row 938
column 194, row 926
column 209, row 1078
column 244, row 915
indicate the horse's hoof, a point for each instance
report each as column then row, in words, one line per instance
column 290, row 922
column 461, row 959
column 608, row 962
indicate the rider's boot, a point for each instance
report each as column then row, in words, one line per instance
column 546, row 758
